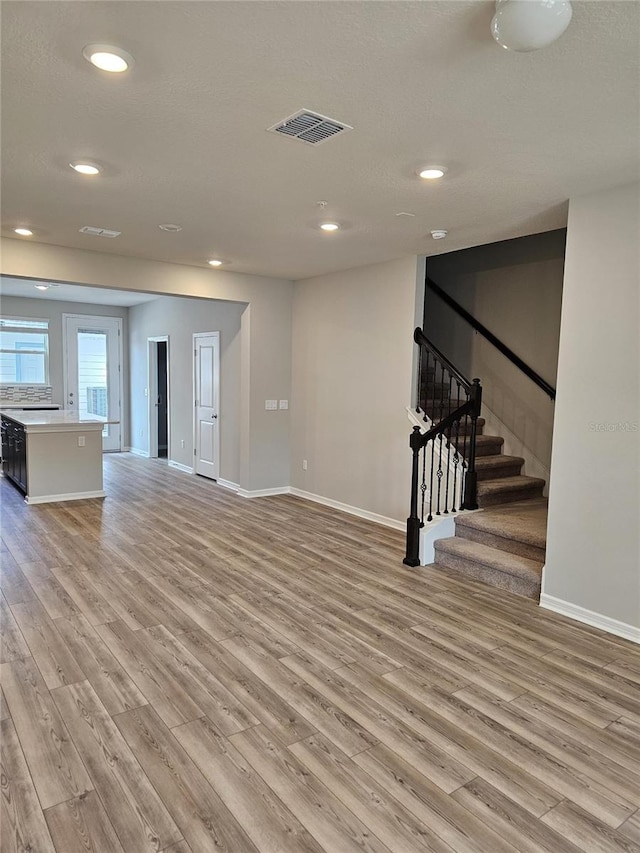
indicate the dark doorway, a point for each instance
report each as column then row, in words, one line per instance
column 163, row 414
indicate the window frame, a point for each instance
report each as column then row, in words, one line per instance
column 22, row 324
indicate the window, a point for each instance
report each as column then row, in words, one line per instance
column 24, row 351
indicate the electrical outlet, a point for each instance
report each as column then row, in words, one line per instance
column 182, row 442
column 304, row 464
column 81, row 441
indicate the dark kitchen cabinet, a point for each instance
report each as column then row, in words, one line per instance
column 14, row 452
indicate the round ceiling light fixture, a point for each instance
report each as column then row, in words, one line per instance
column 106, row 57
column 432, row 173
column 85, row 168
column 215, row 262
column 439, row 234
column 23, row 232
column 329, row 226
column 172, row 229
column 525, row 25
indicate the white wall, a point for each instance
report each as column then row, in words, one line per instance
column 265, row 333
column 180, row 319
column 593, row 553
column 353, row 355
column 52, row 310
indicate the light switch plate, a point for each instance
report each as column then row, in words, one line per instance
column 284, row 404
column 271, row 405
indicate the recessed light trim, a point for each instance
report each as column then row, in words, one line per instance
column 85, row 168
column 172, row 229
column 215, row 262
column 23, row 232
column 330, row 226
column 432, row 173
column 106, row 57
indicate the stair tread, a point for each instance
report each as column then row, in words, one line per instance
column 521, row 481
column 522, row 521
column 499, row 460
column 494, row 558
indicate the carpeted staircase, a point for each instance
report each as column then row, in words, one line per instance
column 503, row 544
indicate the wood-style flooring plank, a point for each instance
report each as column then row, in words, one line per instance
column 586, row 831
column 271, row 826
column 81, row 825
column 22, row 824
column 55, row 660
column 56, row 769
column 140, row 819
column 12, row 642
column 203, row 819
column 116, row 690
column 332, row 825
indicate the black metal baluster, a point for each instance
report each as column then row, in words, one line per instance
column 446, row 489
column 433, row 447
column 424, row 389
column 423, row 484
column 421, row 349
column 439, row 473
column 456, row 455
column 464, row 458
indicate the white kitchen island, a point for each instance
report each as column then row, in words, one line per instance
column 53, row 455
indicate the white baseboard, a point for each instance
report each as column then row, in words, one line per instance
column 180, row 466
column 263, row 493
column 227, row 484
column 352, row 510
column 70, row 496
column 590, row 617
column 137, row 452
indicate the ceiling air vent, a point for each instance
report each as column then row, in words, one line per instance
column 99, row 232
column 310, row 127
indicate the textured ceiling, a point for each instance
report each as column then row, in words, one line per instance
column 183, row 139
column 10, row 286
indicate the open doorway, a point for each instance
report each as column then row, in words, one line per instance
column 159, row 428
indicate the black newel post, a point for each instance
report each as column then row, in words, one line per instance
column 471, row 479
column 412, row 557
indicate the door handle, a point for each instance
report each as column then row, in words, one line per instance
column 215, row 417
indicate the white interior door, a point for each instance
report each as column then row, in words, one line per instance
column 206, row 352
column 92, row 374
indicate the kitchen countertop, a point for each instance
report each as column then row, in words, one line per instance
column 44, row 421
column 11, row 404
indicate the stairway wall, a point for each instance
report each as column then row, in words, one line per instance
column 593, row 549
column 515, row 288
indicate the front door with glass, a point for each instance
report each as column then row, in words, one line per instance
column 93, row 371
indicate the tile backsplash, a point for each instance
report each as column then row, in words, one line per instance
column 26, row 393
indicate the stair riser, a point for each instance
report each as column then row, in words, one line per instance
column 486, row 574
column 511, row 546
column 499, row 471
column 509, row 496
column 490, row 448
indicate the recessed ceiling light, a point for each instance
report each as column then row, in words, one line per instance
column 172, row 229
column 214, row 262
column 432, row 173
column 330, row 226
column 85, row 168
column 23, row 232
column 41, row 286
column 439, row 234
column 108, row 58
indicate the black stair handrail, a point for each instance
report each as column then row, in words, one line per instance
column 420, row 338
column 449, row 442
column 548, row 389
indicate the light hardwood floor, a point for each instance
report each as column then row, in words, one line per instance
column 184, row 670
